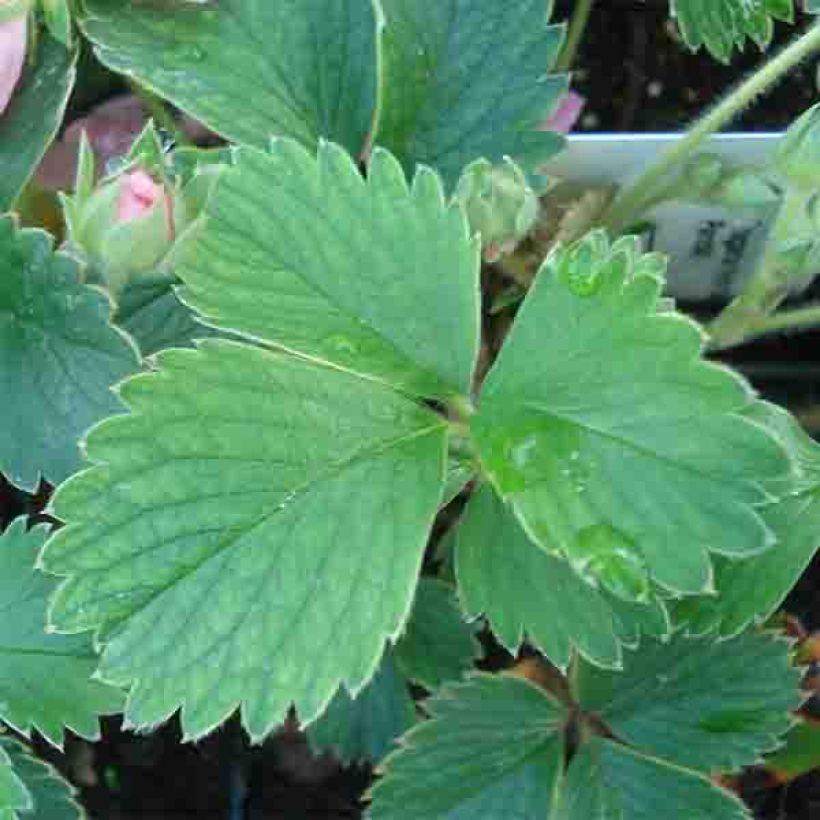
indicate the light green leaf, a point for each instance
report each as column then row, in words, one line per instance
column 365, row 727
column 492, row 749
column 252, row 511
column 59, row 356
column 52, row 797
column 524, row 591
column 464, row 80
column 438, row 646
column 608, row 433
column 14, row 796
column 697, row 702
column 460, row 471
column 57, row 17
column 45, row 680
column 607, row 781
column 371, row 275
column 250, row 70
column 752, row 589
column 33, row 117
column 725, row 25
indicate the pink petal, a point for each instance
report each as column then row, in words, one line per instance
column 567, row 114
column 138, row 194
column 13, row 39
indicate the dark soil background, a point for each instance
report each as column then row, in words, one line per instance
column 636, row 77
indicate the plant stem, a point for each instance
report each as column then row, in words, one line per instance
column 630, row 203
column 799, row 318
column 159, row 113
column 577, row 27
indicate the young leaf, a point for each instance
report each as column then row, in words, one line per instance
column 371, row 275
column 724, row 25
column 524, row 591
column 247, row 69
column 45, row 680
column 609, row 434
column 438, row 645
column 33, row 117
column 492, row 749
column 800, row 753
column 59, row 356
column 52, row 797
column 752, row 589
column 14, row 796
column 607, row 781
column 251, row 533
column 365, row 727
column 697, row 702
column 468, row 80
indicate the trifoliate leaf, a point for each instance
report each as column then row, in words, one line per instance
column 59, row 356
column 251, row 533
column 524, row 591
column 438, row 646
column 14, row 796
column 697, row 702
column 461, row 81
column 607, row 781
column 752, row 589
column 725, row 25
column 33, row 117
column 45, row 680
column 250, row 70
column 491, row 749
column 52, row 797
column 371, row 275
column 609, row 434
column 365, row 727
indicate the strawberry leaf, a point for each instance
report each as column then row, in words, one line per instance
column 492, row 749
column 14, row 796
column 250, row 70
column 45, row 680
column 365, row 727
column 34, row 116
column 59, row 357
column 467, row 80
column 697, row 702
column 600, row 411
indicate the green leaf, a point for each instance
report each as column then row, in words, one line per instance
column 14, row 796
column 525, row 592
column 253, row 511
column 492, row 749
column 365, row 727
column 59, row 356
column 57, row 17
column 800, row 753
column 150, row 311
column 52, row 797
column 700, row 703
column 438, row 645
column 724, row 25
column 250, row 70
column 34, row 116
column 607, row 781
column 460, row 472
column 608, row 433
column 468, row 80
column 370, row 275
column 751, row 590
column 45, row 680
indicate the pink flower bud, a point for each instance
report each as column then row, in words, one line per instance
column 13, row 38
column 138, row 194
column 566, row 115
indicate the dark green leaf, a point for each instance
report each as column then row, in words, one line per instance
column 800, row 753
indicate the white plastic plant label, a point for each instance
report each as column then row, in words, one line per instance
column 712, row 250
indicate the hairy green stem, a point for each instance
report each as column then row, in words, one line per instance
column 631, row 202
column 578, row 25
column 159, row 112
column 758, row 325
